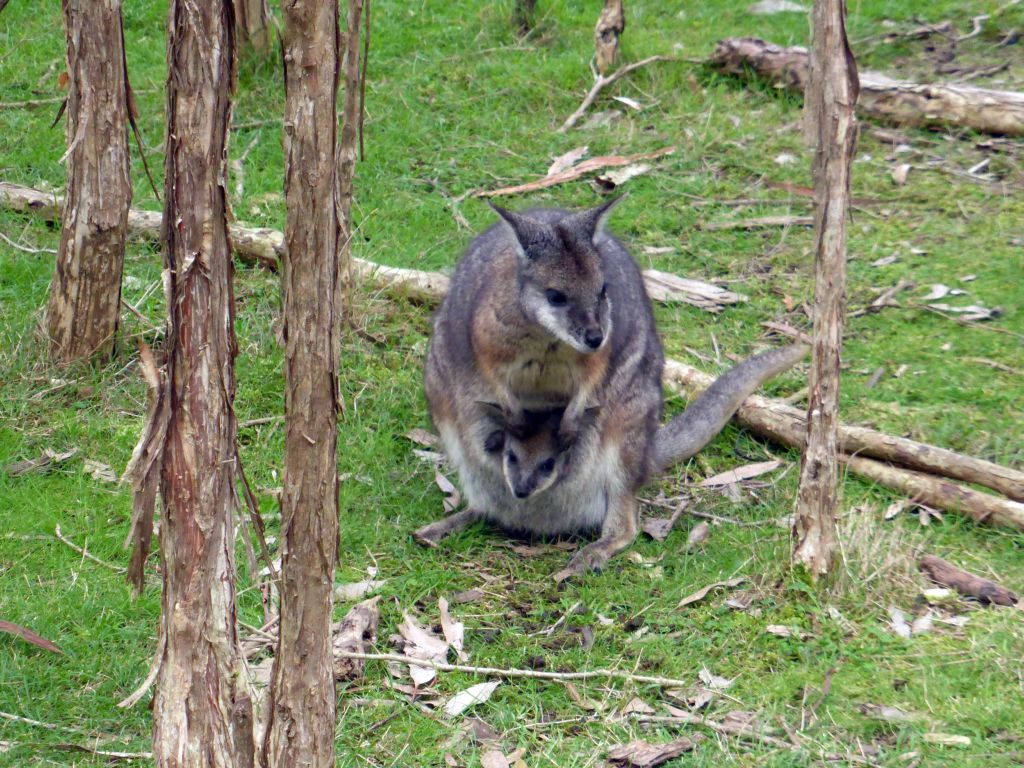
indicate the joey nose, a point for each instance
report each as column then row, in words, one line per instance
column 593, row 338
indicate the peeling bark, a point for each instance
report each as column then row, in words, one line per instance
column 252, row 22
column 85, row 294
column 832, row 127
column 300, row 731
column 202, row 712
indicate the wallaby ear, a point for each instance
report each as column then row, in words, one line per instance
column 524, row 229
column 590, row 224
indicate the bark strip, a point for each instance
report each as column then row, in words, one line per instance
column 881, row 97
column 832, row 130
column 84, row 304
column 302, row 700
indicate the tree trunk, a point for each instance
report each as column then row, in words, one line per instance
column 347, row 154
column 934, row 105
column 302, row 700
column 85, row 295
column 202, row 714
column 609, row 28
column 252, row 22
column 831, row 125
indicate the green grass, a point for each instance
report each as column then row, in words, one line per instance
column 453, row 97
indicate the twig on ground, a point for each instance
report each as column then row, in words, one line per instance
column 31, row 103
column 592, row 674
column 84, row 553
column 757, row 223
column 25, row 248
column 238, row 168
column 260, row 421
column 603, row 82
column 575, row 172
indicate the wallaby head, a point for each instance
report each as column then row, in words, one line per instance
column 532, row 457
column 562, row 285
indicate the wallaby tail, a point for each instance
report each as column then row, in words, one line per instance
column 704, row 418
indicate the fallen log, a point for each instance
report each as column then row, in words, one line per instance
column 881, row 97
column 775, row 419
column 781, row 423
column 263, row 247
column 948, row 575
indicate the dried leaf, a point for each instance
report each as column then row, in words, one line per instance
column 714, row 682
column 493, row 759
column 922, row 624
column 947, row 739
column 631, row 103
column 641, row 754
column 898, row 623
column 781, row 630
column 357, row 590
column 452, row 497
column 475, row 694
column 454, row 631
column 972, row 312
column 885, row 713
column 698, row 535
column 771, row 7
column 618, row 177
column 696, row 697
column 566, row 161
column 938, row 291
column 884, row 261
column 895, row 508
column 701, row 593
column 48, row 459
column 581, row 701
column 468, row 596
column 420, row 643
column 740, row 473
column 636, row 706
column 28, row 636
column 900, row 173
column 423, row 437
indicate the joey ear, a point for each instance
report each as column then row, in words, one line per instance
column 494, row 412
column 589, row 417
column 590, row 224
column 524, row 229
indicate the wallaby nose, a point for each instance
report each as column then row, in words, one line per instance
column 521, row 492
column 593, row 337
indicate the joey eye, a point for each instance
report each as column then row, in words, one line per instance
column 512, row 458
column 556, row 298
column 604, row 291
column 547, row 466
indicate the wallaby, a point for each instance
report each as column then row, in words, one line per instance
column 547, row 311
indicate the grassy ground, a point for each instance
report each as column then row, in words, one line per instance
column 456, row 102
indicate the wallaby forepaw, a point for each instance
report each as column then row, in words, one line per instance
column 590, row 558
column 428, row 536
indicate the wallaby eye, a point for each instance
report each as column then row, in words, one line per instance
column 604, row 291
column 512, row 458
column 556, row 298
column 547, row 466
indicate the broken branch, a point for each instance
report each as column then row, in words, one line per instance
column 948, row 575
column 603, row 82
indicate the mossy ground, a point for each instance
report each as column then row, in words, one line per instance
column 455, row 101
